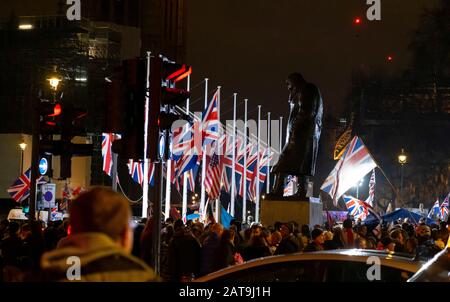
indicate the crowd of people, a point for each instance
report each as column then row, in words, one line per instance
column 110, row 248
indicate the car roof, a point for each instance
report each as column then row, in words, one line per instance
column 390, row 259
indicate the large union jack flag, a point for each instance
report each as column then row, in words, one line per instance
column 351, row 167
column 20, row 189
column 435, row 210
column 357, row 208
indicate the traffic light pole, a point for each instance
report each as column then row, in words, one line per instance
column 34, row 158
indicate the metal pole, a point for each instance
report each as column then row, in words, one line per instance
column 281, row 134
column 185, row 174
column 114, row 171
column 244, row 175
column 146, row 160
column 269, row 133
column 401, row 184
column 34, row 158
column 257, row 166
column 202, row 194
column 156, row 216
column 233, row 168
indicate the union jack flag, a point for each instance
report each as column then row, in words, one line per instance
column 107, row 139
column 357, row 208
column 371, row 196
column 20, row 189
column 264, row 158
column 435, row 210
column 211, row 121
column 136, row 170
column 444, row 208
column 186, row 148
column 355, row 163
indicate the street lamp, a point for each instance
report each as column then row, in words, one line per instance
column 402, row 159
column 359, row 184
column 22, row 146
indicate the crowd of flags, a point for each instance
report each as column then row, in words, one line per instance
column 440, row 211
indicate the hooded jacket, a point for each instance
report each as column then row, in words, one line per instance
column 101, row 259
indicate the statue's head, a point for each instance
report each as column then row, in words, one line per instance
column 294, row 82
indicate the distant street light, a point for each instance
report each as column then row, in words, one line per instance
column 22, row 146
column 54, row 82
column 402, row 160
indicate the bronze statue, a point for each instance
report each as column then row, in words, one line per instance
column 299, row 154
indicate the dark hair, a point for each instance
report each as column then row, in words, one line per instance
column 227, row 234
column 13, row 227
column 347, row 223
column 316, row 233
column 296, row 79
column 178, row 224
column 306, row 231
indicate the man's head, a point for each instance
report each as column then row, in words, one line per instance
column 286, row 229
column 317, row 236
column 294, row 82
column 101, row 210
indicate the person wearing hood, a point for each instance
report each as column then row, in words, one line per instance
column 101, row 241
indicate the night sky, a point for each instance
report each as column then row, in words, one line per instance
column 251, row 46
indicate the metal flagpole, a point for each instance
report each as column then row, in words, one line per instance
column 220, row 151
column 202, row 195
column 114, row 171
column 244, row 176
column 233, row 169
column 268, row 152
column 281, row 133
column 185, row 174
column 257, row 166
column 146, row 161
column 169, row 181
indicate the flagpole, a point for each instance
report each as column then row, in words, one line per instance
column 384, row 174
column 220, row 151
column 233, row 169
column 146, row 160
column 257, row 166
column 185, row 174
column 281, row 134
column 202, row 195
column 244, row 175
column 268, row 153
column 169, row 180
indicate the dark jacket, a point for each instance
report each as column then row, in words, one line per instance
column 100, row 257
column 288, row 245
column 254, row 251
column 313, row 247
column 208, row 263
column 304, row 127
column 225, row 255
column 184, row 256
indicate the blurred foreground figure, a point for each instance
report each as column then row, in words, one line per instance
column 101, row 240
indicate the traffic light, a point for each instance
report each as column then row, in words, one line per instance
column 62, row 119
column 164, row 96
column 126, row 101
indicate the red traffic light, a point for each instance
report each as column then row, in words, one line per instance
column 357, row 21
column 390, row 58
column 176, row 72
column 56, row 110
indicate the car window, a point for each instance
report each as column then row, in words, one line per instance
column 314, row 271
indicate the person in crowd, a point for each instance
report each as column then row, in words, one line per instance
column 146, row 243
column 337, row 237
column 184, row 254
column 33, row 245
column 289, row 243
column 12, row 252
column 305, row 235
column 317, row 241
column 166, row 239
column 411, row 245
column 208, row 258
column 361, row 243
column 101, row 239
column 348, row 236
column 399, row 240
column 226, row 251
column 256, row 249
column 426, row 248
column 386, row 243
column 329, row 243
column 275, row 239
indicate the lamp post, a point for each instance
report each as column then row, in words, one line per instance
column 22, row 146
column 402, row 159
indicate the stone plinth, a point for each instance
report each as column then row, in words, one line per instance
column 301, row 211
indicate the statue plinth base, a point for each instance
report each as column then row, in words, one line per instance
column 300, row 211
